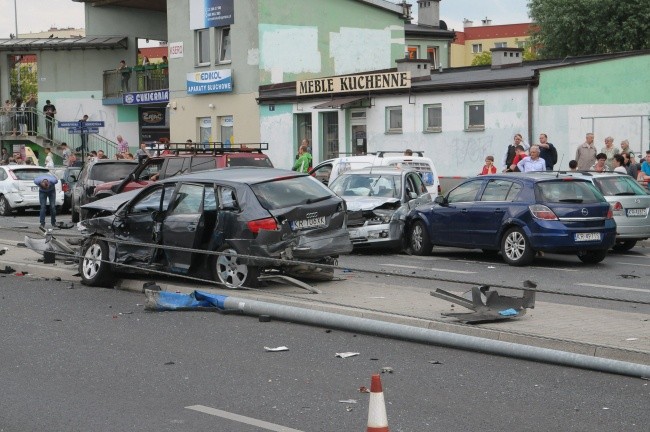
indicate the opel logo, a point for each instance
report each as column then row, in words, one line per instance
column 584, row 212
column 637, row 201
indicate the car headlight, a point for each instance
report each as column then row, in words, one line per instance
column 382, row 217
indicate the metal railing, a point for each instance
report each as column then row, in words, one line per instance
column 135, row 79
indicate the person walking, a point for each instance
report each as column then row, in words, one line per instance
column 547, row 152
column 49, row 110
column 304, row 161
column 609, row 150
column 532, row 162
column 47, row 191
column 586, row 153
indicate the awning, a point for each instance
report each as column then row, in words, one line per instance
column 340, row 103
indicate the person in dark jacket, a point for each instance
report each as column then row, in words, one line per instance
column 47, row 191
column 547, row 152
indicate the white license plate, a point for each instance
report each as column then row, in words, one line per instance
column 637, row 212
column 587, row 236
column 316, row 222
column 34, row 188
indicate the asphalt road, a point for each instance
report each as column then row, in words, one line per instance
column 75, row 358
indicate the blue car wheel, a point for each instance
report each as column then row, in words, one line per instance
column 516, row 249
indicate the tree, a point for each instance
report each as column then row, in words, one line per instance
column 583, row 27
column 483, row 59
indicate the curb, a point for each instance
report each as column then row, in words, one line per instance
column 67, row 271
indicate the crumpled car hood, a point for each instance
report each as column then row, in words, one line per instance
column 368, row 203
column 112, row 203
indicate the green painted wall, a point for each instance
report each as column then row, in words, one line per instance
column 618, row 81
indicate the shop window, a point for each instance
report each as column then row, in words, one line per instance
column 475, row 115
column 226, row 130
column 224, row 45
column 433, row 118
column 477, row 48
column 202, row 43
column 412, row 52
column 394, row 119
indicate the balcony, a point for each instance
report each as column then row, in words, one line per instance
column 135, row 79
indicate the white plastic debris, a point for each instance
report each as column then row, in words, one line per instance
column 349, row 401
column 632, row 339
column 347, row 354
column 280, row 348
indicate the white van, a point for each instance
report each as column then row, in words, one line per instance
column 328, row 170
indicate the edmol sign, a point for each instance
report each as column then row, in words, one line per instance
column 342, row 84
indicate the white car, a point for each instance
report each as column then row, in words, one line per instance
column 330, row 169
column 18, row 191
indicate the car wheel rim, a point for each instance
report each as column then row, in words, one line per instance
column 92, row 261
column 515, row 246
column 416, row 237
column 232, row 273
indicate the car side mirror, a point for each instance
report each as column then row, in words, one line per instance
column 413, row 195
column 441, row 200
column 158, row 216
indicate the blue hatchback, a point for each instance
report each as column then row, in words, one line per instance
column 518, row 214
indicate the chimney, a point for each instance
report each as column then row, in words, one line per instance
column 467, row 23
column 486, row 21
column 506, row 57
column 429, row 13
column 417, row 67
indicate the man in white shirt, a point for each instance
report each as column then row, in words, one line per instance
column 532, row 162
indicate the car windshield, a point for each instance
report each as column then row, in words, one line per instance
column 111, row 171
column 258, row 161
column 618, row 186
column 568, row 191
column 29, row 174
column 353, row 184
column 290, row 191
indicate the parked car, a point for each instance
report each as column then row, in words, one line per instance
column 630, row 203
column 518, row 215
column 18, row 191
column 162, row 167
column 93, row 174
column 328, row 170
column 263, row 212
column 68, row 177
column 378, row 200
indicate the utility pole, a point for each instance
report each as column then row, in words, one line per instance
column 18, row 72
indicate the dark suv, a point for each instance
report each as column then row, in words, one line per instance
column 162, row 167
column 93, row 174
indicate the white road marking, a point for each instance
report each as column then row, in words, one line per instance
column 634, row 264
column 241, row 419
column 430, row 269
column 612, row 287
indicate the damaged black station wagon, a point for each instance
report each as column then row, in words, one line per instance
column 256, row 212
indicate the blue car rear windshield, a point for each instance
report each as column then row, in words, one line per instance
column 290, row 191
column 563, row 191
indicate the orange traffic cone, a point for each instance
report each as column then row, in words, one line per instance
column 377, row 419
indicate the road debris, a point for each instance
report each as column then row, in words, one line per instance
column 348, row 401
column 387, row 369
column 435, row 362
column 347, row 354
column 277, row 349
column 364, row 389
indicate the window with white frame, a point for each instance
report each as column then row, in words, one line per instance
column 477, row 48
column 501, row 44
column 223, row 36
column 475, row 115
column 202, row 44
column 394, row 119
column 521, row 44
column 433, row 118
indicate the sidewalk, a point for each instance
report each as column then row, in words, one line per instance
column 582, row 330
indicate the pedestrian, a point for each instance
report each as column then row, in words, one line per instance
column 619, row 164
column 609, row 150
column 304, row 160
column 489, row 167
column 129, row 156
column 49, row 111
column 532, row 162
column 47, row 191
column 625, row 148
column 601, row 163
column 73, row 161
column 142, row 153
column 122, row 144
column 573, row 165
column 30, row 109
column 547, row 151
column 49, row 162
column 644, row 172
column 5, row 118
column 65, row 154
column 509, row 155
column 520, row 153
column 125, row 72
column 84, row 134
column 630, row 166
column 408, row 152
column 4, row 157
column 19, row 117
column 586, row 153
column 101, row 154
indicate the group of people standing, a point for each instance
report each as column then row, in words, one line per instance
column 540, row 157
column 610, row 158
column 19, row 118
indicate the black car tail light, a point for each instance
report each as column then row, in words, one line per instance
column 542, row 212
column 65, row 187
column 268, row 224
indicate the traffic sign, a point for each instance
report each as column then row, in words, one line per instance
column 79, row 131
column 70, row 124
column 94, row 124
column 77, row 124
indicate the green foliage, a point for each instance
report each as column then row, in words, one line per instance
column 28, row 80
column 483, row 59
column 584, row 27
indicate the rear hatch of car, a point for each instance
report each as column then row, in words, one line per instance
column 630, row 203
column 107, row 172
column 24, row 180
column 248, row 159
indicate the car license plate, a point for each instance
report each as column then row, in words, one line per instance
column 587, row 236
column 637, row 212
column 34, row 188
column 316, row 222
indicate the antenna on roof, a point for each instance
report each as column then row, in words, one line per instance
column 558, row 171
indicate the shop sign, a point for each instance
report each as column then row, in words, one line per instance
column 215, row 81
column 354, row 83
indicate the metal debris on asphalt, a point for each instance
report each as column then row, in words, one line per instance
column 347, row 354
column 348, row 401
column 387, row 369
column 435, row 362
column 277, row 349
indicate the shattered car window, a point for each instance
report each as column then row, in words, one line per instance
column 148, row 203
column 290, row 191
column 188, row 199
